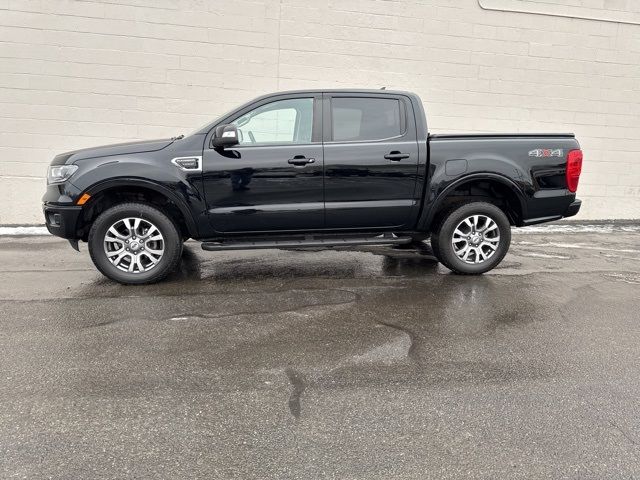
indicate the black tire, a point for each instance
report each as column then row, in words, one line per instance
column 441, row 239
column 172, row 243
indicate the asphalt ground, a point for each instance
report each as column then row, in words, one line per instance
column 371, row 363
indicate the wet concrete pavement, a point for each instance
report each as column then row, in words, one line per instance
column 359, row 363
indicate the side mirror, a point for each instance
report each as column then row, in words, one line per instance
column 225, row 136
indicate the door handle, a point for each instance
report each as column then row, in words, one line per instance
column 301, row 160
column 396, row 156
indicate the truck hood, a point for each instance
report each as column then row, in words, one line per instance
column 109, row 150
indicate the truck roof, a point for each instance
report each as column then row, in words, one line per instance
column 341, row 90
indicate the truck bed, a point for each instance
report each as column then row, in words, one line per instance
column 500, row 135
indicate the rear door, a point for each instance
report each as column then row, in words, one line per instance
column 371, row 160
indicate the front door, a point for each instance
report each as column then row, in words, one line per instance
column 371, row 161
column 273, row 179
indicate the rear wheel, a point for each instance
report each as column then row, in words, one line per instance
column 473, row 238
column 135, row 243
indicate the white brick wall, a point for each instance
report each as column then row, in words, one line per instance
column 76, row 73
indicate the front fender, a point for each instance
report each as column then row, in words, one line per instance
column 151, row 171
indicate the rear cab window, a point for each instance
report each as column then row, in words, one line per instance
column 362, row 119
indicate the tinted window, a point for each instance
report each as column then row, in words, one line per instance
column 284, row 121
column 365, row 118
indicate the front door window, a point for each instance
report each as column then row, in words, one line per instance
column 277, row 123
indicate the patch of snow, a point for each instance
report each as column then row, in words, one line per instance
column 16, row 231
column 580, row 246
column 578, row 228
column 631, row 278
column 543, row 255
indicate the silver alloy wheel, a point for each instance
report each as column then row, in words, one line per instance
column 476, row 239
column 134, row 245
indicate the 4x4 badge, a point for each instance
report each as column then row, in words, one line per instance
column 546, row 152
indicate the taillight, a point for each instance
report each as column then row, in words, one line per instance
column 574, row 167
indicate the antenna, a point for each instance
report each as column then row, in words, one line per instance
column 383, row 88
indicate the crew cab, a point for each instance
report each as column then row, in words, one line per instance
column 310, row 168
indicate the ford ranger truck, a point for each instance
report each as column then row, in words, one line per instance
column 314, row 168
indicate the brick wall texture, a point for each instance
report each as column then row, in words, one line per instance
column 77, row 73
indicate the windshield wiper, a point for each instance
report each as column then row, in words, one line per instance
column 179, row 137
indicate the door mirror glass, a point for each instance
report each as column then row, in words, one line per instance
column 225, row 136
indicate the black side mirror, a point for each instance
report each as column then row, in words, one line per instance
column 225, row 136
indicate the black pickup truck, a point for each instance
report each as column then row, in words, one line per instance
column 307, row 169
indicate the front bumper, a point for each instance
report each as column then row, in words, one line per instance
column 62, row 220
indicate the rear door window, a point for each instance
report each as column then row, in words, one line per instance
column 365, row 119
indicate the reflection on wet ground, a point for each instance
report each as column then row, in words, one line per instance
column 349, row 363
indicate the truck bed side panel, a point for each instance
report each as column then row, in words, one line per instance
column 533, row 166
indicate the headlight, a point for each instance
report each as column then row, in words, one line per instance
column 60, row 173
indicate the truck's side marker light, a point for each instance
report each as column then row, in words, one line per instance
column 83, row 199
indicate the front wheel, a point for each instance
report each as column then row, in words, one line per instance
column 472, row 239
column 135, row 243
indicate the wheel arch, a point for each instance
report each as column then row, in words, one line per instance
column 128, row 189
column 511, row 196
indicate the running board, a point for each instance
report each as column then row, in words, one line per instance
column 305, row 242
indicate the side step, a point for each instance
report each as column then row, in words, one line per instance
column 306, row 242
